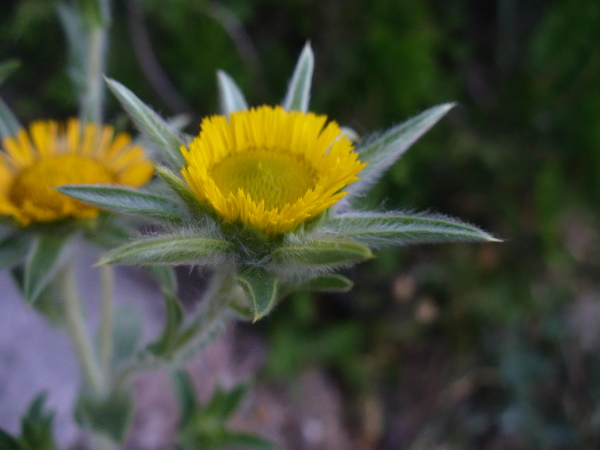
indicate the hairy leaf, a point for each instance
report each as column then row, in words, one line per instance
column 298, row 93
column 380, row 230
column 320, row 254
column 230, row 95
column 151, row 125
column 126, row 200
column 261, row 288
column 170, row 249
column 44, row 261
column 382, row 152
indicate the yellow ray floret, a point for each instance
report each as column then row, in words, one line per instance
column 51, row 154
column 268, row 168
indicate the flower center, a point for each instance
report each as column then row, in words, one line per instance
column 277, row 179
column 35, row 183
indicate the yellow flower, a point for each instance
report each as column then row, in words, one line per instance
column 51, row 155
column 268, row 168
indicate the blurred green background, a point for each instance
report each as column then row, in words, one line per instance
column 468, row 346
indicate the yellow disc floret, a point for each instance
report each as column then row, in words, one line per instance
column 268, row 168
column 35, row 163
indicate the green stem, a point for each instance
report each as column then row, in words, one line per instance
column 212, row 314
column 92, row 100
column 204, row 327
column 106, row 322
column 77, row 331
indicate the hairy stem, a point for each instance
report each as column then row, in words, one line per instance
column 77, row 331
column 93, row 97
column 106, row 323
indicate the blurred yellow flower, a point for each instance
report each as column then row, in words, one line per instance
column 268, row 168
column 51, row 154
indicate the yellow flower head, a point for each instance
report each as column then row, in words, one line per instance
column 52, row 155
column 269, row 168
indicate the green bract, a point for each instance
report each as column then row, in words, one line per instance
column 267, row 267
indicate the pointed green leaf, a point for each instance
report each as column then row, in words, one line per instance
column 165, row 275
column 186, row 395
column 230, row 95
column 126, row 334
column 230, row 402
column 328, row 283
column 380, row 153
column 261, row 288
column 167, row 341
column 379, row 230
column 126, row 200
column 171, row 249
column 182, row 189
column 7, row 442
column 50, row 303
column 45, row 259
column 151, row 125
column 322, row 254
column 9, row 125
column 110, row 416
column 298, row 94
column 13, row 249
column 7, row 68
column 244, row 440
column 36, row 425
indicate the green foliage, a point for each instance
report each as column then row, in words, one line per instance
column 127, row 200
column 204, row 426
column 298, row 94
column 150, row 124
column 177, row 249
column 47, row 256
column 109, row 415
column 231, row 97
column 261, row 288
column 36, row 429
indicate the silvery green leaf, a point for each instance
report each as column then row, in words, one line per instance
column 328, row 283
column 167, row 341
column 380, row 230
column 7, row 68
column 320, row 254
column 9, row 125
column 126, row 334
column 175, row 249
column 13, row 249
column 381, row 152
column 37, row 425
column 49, row 303
column 182, row 189
column 350, row 133
column 126, row 200
column 298, row 93
column 110, row 415
column 165, row 275
column 151, row 125
column 260, row 287
column 7, row 442
column 230, row 96
column 45, row 259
